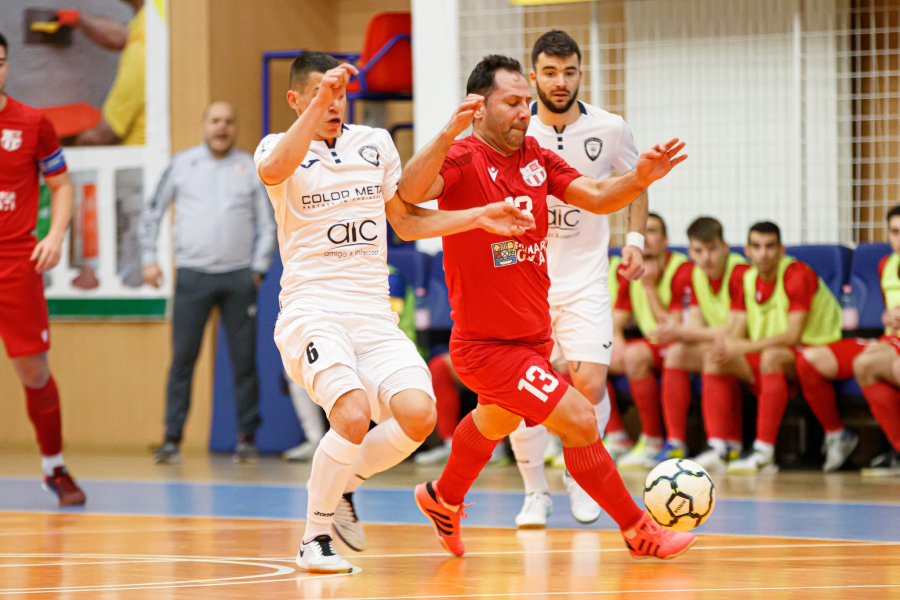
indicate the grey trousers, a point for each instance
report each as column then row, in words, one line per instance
column 195, row 295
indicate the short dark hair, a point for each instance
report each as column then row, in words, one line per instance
column 766, row 227
column 665, row 230
column 310, row 62
column 894, row 212
column 481, row 79
column 706, row 230
column 555, row 43
column 3, row 43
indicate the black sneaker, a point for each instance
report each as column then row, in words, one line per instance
column 167, row 454
column 884, row 465
column 347, row 526
column 245, row 452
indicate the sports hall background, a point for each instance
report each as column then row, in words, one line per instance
column 791, row 109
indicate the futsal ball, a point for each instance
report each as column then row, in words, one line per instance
column 679, row 494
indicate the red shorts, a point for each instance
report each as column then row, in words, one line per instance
column 658, row 350
column 844, row 351
column 514, row 375
column 23, row 309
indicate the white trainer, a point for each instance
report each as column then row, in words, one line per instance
column 753, row 464
column 434, row 456
column 640, row 455
column 584, row 509
column 554, row 450
column 711, row 460
column 617, row 445
column 347, row 526
column 838, row 450
column 318, row 556
column 538, row 506
column 302, row 453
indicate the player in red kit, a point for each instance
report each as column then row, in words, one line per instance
column 501, row 341
column 28, row 147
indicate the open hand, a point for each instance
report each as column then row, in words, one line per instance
column 463, row 116
column 505, row 219
column 334, row 82
column 655, row 163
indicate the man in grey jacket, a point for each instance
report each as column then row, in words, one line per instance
column 224, row 239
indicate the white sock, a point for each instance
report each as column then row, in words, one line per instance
column 767, row 450
column 310, row 414
column 834, row 436
column 330, row 470
column 528, row 445
column 719, row 445
column 385, row 446
column 48, row 463
column 602, row 411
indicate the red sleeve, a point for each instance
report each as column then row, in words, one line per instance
column 623, row 300
column 800, row 284
column 48, row 154
column 736, row 288
column 681, row 283
column 559, row 173
column 451, row 170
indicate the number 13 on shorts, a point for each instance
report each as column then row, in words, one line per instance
column 536, row 375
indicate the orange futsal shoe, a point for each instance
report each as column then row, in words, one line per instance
column 62, row 484
column 444, row 520
column 649, row 540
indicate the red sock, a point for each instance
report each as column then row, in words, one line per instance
column 716, row 401
column 43, row 410
column 773, row 399
column 645, row 393
column 470, row 452
column 594, row 470
column 676, row 401
column 884, row 400
column 446, row 394
column 615, row 417
column 736, row 415
column 820, row 396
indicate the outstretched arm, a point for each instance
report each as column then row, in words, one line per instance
column 291, row 149
column 413, row 223
column 605, row 196
column 421, row 179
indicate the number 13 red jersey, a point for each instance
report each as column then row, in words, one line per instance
column 498, row 285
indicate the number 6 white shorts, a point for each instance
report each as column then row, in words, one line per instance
column 582, row 329
column 331, row 354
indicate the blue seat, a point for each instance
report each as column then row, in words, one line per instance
column 438, row 295
column 411, row 264
column 866, row 283
column 831, row 263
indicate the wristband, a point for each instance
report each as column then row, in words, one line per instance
column 633, row 238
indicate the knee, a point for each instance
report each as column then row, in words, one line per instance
column 581, row 430
column 675, row 354
column 862, row 365
column 33, row 372
column 638, row 361
column 417, row 418
column 775, row 360
column 350, row 416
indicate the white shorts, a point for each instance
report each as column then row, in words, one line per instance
column 582, row 329
column 383, row 360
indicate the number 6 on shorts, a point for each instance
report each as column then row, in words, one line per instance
column 535, row 372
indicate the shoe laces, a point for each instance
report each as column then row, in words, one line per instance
column 323, row 542
column 531, row 500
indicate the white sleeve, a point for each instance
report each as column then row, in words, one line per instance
column 391, row 169
column 626, row 154
column 265, row 147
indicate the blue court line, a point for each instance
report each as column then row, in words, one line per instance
column 747, row 517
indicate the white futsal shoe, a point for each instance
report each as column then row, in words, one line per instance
column 756, row 463
column 553, row 451
column 319, row 556
column 837, row 450
column 584, row 509
column 538, row 506
column 642, row 454
column 347, row 526
column 302, row 453
column 712, row 460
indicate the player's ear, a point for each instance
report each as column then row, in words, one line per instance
column 532, row 79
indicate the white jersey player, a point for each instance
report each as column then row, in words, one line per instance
column 596, row 143
column 332, row 186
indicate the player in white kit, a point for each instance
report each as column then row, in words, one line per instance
column 332, row 186
column 596, row 143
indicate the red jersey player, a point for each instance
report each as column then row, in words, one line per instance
column 501, row 342
column 28, row 146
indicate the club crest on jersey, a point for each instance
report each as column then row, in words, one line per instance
column 534, row 174
column 11, row 139
column 593, row 147
column 369, row 154
column 504, row 253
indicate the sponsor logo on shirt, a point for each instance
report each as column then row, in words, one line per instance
column 593, row 147
column 310, row 163
column 353, row 238
column 504, row 253
column 534, row 174
column 369, row 154
column 11, row 139
column 563, row 217
column 493, row 173
column 7, row 201
column 323, row 199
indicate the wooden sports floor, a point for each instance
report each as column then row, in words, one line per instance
column 212, row 529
